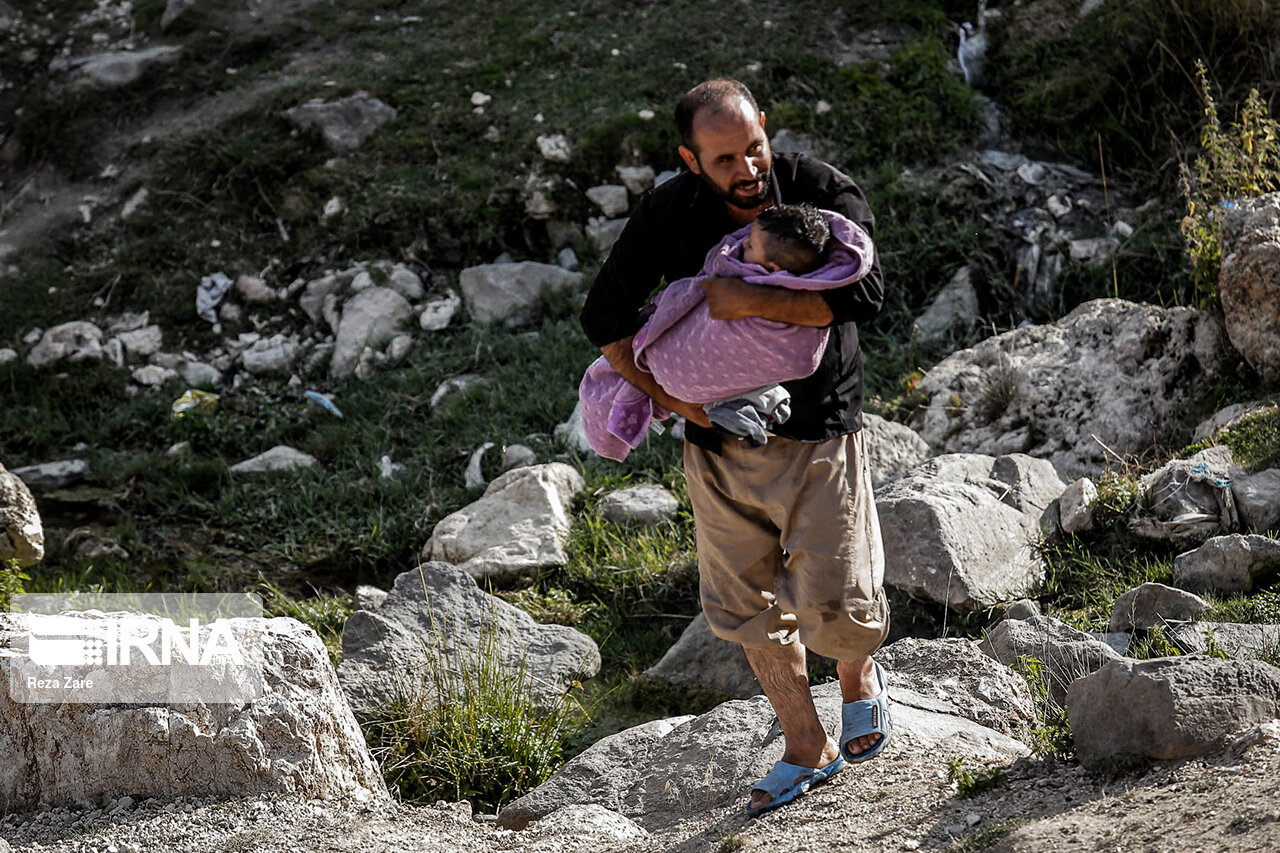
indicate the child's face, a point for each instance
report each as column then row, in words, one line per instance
column 756, row 248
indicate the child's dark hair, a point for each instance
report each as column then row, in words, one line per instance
column 799, row 233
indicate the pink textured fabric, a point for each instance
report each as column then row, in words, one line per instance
column 698, row 358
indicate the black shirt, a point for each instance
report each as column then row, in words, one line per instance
column 668, row 237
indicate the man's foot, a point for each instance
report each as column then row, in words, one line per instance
column 865, row 715
column 830, row 752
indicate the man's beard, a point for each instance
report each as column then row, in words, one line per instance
column 748, row 203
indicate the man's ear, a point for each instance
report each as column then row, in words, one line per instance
column 762, row 119
column 690, row 159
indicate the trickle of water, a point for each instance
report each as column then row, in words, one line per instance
column 972, row 53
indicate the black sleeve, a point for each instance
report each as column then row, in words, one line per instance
column 834, row 190
column 630, row 273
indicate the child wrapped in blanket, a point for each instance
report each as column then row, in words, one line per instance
column 733, row 368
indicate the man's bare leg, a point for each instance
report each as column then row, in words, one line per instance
column 785, row 680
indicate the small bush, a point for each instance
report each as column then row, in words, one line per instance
column 1242, row 161
column 1053, row 737
column 11, row 582
column 970, row 783
column 472, row 731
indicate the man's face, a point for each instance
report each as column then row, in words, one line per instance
column 732, row 155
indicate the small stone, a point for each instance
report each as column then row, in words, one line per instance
column 182, row 448
column 637, row 179
column 153, row 375
column 369, row 597
column 518, row 456
column 555, row 148
column 387, row 469
column 438, row 313
column 568, row 259
column 254, row 290
column 1076, row 505
column 332, row 208
column 278, row 458
column 612, row 199
column 479, row 99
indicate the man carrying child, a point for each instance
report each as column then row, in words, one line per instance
column 789, row 548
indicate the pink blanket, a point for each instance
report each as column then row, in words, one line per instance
column 697, row 358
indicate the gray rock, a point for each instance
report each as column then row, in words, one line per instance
column 1154, row 604
column 436, row 621
column 1234, row 639
column 143, row 342
column 254, row 290
column 117, row 68
column 1110, row 373
column 398, row 348
column 1168, row 708
column 1075, row 506
column 1249, row 281
column 273, row 356
column 518, row 456
column 611, row 758
column 438, row 313
column 567, row 259
column 369, row 597
column 714, row 760
column 76, row 341
column 958, row 529
column 48, row 476
column 958, row 679
column 518, row 525
column 637, row 179
column 1225, row 564
column 152, row 375
column 288, row 732
column 405, row 282
column 1257, row 499
column 555, row 148
column 1064, row 653
column 510, row 293
column 1023, row 608
column 196, row 374
column 612, row 199
column 278, row 458
column 1119, row 641
column 1226, row 419
column 703, row 661
column 1189, row 500
column 8, row 354
column 345, row 123
column 954, row 310
column 371, row 318
column 894, row 449
column 21, row 531
column 318, row 290
column 602, row 235
column 645, row 505
column 577, row 828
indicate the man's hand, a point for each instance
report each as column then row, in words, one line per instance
column 735, row 299
column 621, row 357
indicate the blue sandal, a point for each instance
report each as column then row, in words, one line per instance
column 787, row 781
column 866, row 717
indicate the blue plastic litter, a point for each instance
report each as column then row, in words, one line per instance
column 323, row 402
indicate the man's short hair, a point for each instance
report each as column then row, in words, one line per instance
column 799, row 233
column 715, row 96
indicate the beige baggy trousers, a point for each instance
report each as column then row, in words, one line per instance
column 789, row 544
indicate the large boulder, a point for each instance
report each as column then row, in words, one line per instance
column 1059, row 652
column 78, row 340
column 1110, row 377
column 893, row 449
column 436, row 623
column 1233, row 639
column 1153, row 604
column 645, row 505
column 1249, row 281
column 707, row 762
column 510, row 293
column 953, row 676
column 289, row 731
column 703, row 661
column 371, row 318
column 1257, row 499
column 345, row 123
column 1168, row 708
column 50, row 476
column 518, row 525
column 958, row 530
column 1227, row 564
column 21, row 532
